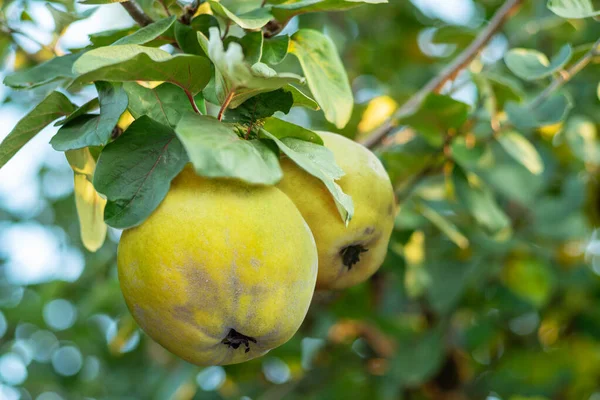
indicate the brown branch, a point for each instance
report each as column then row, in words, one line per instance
column 566, row 76
column 557, row 83
column 190, row 11
column 137, row 13
column 460, row 62
column 164, row 6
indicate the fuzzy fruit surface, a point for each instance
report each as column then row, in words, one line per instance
column 347, row 255
column 221, row 272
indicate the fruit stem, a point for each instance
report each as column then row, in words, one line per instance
column 225, row 104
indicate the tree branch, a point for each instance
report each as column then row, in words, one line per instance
column 190, row 11
column 566, row 76
column 557, row 83
column 135, row 11
column 460, row 62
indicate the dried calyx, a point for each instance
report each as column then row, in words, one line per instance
column 235, row 339
column 351, row 254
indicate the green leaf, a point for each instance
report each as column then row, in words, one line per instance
column 25, row 16
column 63, row 19
column 106, row 38
column 135, row 171
column 93, row 130
column 217, row 151
column 443, row 224
column 84, row 109
column 187, row 36
column 409, row 366
column 436, row 116
column 479, row 202
column 147, row 33
column 553, row 110
column 283, row 11
column 458, row 35
column 133, row 62
column 252, row 46
column 275, row 49
column 282, row 129
column 5, row 45
column 236, row 76
column 187, row 39
column 301, row 99
column 449, row 279
column 505, row 89
column 318, row 161
column 90, row 205
column 581, row 135
column 203, row 23
column 54, row 106
column 46, row 72
column 469, row 157
column 405, row 160
column 573, row 8
column 522, row 150
column 495, row 90
column 531, row 64
column 325, row 74
column 260, row 107
column 530, row 279
column 254, row 19
column 165, row 103
column 510, row 180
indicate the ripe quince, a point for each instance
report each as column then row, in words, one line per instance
column 221, row 272
column 349, row 254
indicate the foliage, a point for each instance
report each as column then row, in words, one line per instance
column 490, row 287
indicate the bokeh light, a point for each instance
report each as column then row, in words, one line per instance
column 67, row 360
column 60, row 314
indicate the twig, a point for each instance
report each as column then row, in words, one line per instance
column 272, row 28
column 227, row 26
column 557, row 83
column 566, row 76
column 164, row 6
column 190, row 11
column 136, row 13
column 460, row 62
column 225, row 105
column 192, row 102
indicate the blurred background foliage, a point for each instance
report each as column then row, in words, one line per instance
column 491, row 287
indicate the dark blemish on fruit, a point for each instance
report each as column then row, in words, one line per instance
column 235, row 339
column 369, row 230
column 351, row 254
column 390, row 209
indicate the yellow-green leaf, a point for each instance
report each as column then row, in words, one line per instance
column 325, row 74
column 90, row 205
